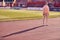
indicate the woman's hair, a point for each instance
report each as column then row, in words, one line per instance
column 46, row 3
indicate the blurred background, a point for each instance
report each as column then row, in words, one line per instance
column 53, row 4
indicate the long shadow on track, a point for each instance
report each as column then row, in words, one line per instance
column 19, row 32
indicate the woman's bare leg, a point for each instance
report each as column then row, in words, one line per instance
column 43, row 20
column 47, row 20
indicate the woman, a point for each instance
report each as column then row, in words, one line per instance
column 45, row 14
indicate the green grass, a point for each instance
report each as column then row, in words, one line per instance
column 54, row 14
column 8, row 14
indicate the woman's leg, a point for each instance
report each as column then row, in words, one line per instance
column 43, row 19
column 46, row 20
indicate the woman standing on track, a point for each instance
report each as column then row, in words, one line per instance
column 45, row 14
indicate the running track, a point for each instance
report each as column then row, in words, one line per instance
column 30, row 30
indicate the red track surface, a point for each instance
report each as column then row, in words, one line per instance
column 51, row 32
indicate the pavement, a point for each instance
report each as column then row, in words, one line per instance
column 30, row 30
